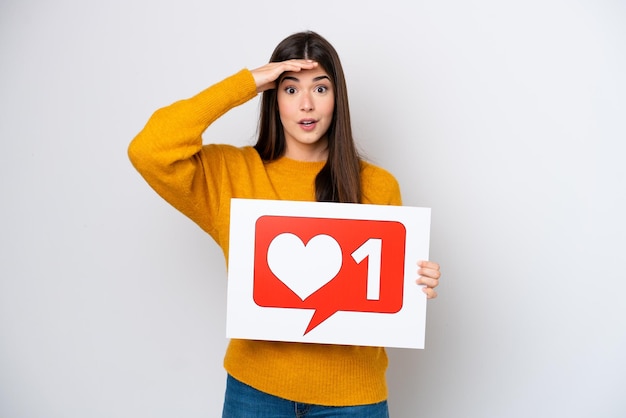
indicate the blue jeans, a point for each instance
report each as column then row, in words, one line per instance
column 243, row 401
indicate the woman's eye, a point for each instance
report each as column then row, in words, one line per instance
column 290, row 90
column 321, row 89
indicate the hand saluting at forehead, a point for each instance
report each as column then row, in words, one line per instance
column 266, row 76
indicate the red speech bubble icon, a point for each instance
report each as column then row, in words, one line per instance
column 329, row 265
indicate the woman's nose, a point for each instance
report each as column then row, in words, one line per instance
column 306, row 102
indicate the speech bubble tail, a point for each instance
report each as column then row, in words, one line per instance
column 318, row 317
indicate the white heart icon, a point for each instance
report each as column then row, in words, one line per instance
column 304, row 268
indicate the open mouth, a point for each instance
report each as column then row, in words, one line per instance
column 308, row 124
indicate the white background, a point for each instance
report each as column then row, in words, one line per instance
column 507, row 118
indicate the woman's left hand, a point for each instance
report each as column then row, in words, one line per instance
column 429, row 277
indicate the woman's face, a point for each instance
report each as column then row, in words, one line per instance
column 306, row 101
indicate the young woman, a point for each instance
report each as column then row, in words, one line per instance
column 305, row 151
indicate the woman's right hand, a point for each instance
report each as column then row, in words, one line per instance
column 266, row 76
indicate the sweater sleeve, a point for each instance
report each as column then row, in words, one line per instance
column 168, row 151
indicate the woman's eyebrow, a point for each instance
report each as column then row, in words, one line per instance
column 321, row 77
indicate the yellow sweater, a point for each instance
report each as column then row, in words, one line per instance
column 199, row 180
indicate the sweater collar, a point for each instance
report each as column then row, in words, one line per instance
column 295, row 166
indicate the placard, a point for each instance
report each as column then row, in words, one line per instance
column 332, row 273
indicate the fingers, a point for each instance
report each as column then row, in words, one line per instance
column 266, row 76
column 429, row 275
column 429, row 269
column 428, row 265
column 430, row 293
column 296, row 65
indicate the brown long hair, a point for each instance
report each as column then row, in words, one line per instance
column 339, row 180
